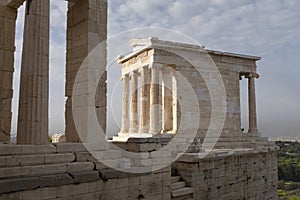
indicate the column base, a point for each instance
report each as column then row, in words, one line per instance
column 253, row 133
column 143, row 131
column 155, row 132
column 133, row 131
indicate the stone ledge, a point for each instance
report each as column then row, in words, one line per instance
column 82, row 177
column 220, row 153
column 19, row 184
column 106, row 174
column 55, row 180
column 30, row 183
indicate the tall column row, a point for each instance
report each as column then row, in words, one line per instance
column 156, row 101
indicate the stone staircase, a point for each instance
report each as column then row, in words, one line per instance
column 179, row 189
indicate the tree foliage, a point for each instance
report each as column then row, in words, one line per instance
column 289, row 161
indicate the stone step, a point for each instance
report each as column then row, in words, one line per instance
column 38, row 159
column 38, row 170
column 178, row 185
column 182, row 191
column 175, row 179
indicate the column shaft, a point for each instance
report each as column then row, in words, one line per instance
column 176, row 106
column 252, row 103
column 125, row 106
column 34, row 83
column 155, row 127
column 168, row 101
column 82, row 38
column 134, row 103
column 144, row 101
column 7, row 49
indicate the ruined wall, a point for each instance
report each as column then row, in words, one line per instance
column 68, row 171
column 238, row 174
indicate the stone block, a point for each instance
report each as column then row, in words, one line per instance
column 48, row 169
column 115, row 164
column 38, row 194
column 81, row 177
column 14, row 172
column 84, row 157
column 8, row 149
column 72, row 190
column 2, row 161
column 55, row 180
column 18, row 184
column 37, row 149
column 70, row 147
column 80, row 167
column 24, row 160
column 108, row 155
column 59, row 158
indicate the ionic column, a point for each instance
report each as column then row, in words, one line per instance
column 167, row 100
column 34, row 83
column 134, row 103
column 252, row 103
column 155, row 127
column 7, row 48
column 125, row 106
column 144, row 100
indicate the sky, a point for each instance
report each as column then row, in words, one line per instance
column 266, row 28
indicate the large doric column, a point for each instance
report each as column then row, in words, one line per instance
column 144, row 100
column 252, row 103
column 167, row 100
column 155, row 127
column 7, row 48
column 34, row 83
column 134, row 103
column 86, row 29
column 125, row 106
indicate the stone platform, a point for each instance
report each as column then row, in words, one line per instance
column 69, row 171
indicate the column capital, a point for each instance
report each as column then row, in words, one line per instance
column 252, row 75
column 133, row 73
column 155, row 65
column 143, row 69
column 124, row 76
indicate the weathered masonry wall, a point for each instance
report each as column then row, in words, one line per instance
column 68, row 171
column 247, row 174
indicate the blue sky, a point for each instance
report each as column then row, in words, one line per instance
column 266, row 28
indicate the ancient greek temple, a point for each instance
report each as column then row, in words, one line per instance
column 84, row 31
column 152, row 89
